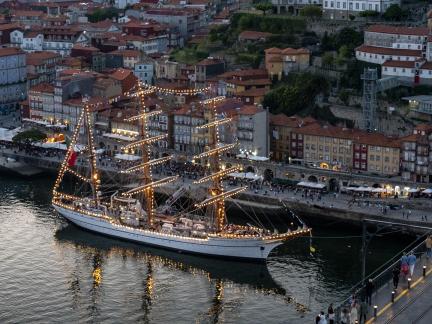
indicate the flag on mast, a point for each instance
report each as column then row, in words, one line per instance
column 72, row 159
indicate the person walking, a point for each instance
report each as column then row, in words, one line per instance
column 345, row 317
column 369, row 290
column 429, row 246
column 323, row 319
column 354, row 314
column 404, row 265
column 396, row 273
column 331, row 314
column 411, row 263
column 364, row 309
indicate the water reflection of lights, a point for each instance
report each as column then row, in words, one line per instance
column 234, row 278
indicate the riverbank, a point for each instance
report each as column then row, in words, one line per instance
column 329, row 208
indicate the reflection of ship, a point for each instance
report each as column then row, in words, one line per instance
column 133, row 215
column 220, row 272
column 256, row 276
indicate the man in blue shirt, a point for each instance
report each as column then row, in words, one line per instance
column 411, row 262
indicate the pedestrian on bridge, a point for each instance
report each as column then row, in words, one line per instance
column 364, row 310
column 370, row 286
column 411, row 262
column 429, row 247
column 396, row 273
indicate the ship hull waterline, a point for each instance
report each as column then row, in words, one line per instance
column 253, row 250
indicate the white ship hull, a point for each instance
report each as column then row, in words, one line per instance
column 236, row 248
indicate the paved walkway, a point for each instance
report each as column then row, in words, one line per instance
column 412, row 305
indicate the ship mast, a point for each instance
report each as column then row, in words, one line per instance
column 144, row 144
column 84, row 120
column 94, row 177
column 216, row 190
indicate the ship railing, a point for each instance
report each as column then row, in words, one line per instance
column 380, row 277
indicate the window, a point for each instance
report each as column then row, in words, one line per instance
column 378, row 158
column 372, row 157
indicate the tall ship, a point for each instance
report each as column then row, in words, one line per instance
column 131, row 212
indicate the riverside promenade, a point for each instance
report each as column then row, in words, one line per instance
column 337, row 206
column 411, row 302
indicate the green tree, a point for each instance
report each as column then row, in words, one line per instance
column 311, row 11
column 264, row 6
column 100, row 14
column 31, row 135
column 297, row 95
column 369, row 13
column 394, row 13
column 327, row 59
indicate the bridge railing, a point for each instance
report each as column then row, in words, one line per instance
column 381, row 276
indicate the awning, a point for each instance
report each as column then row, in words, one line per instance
column 246, row 175
column 257, row 158
column 427, row 191
column 119, row 137
column 413, row 190
column 313, row 185
column 379, row 190
column 7, row 135
column 128, row 157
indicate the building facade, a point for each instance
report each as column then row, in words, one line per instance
column 342, row 9
column 13, row 80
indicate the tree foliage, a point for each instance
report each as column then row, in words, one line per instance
column 100, row 14
column 275, row 25
column 394, row 13
column 369, row 13
column 348, row 38
column 311, row 11
column 31, row 135
column 264, row 6
column 296, row 95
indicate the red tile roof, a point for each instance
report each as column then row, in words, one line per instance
column 257, row 92
column 121, row 74
column 42, row 87
column 250, row 82
column 388, row 51
column 287, row 51
column 7, row 51
column 37, row 58
column 356, row 135
column 401, row 64
column 385, row 29
column 249, row 110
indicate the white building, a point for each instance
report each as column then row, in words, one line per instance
column 121, row 4
column 29, row 41
column 144, row 71
column 419, row 72
column 342, row 9
column 252, row 131
column 293, row 6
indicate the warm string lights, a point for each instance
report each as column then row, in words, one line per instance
column 217, row 150
column 150, row 185
column 68, row 154
column 215, row 123
column 186, row 92
column 149, row 163
column 79, row 176
column 144, row 115
column 219, row 197
column 216, row 175
column 148, row 140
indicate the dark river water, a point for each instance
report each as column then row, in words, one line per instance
column 54, row 272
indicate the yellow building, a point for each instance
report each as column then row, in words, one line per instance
column 346, row 149
column 280, row 62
